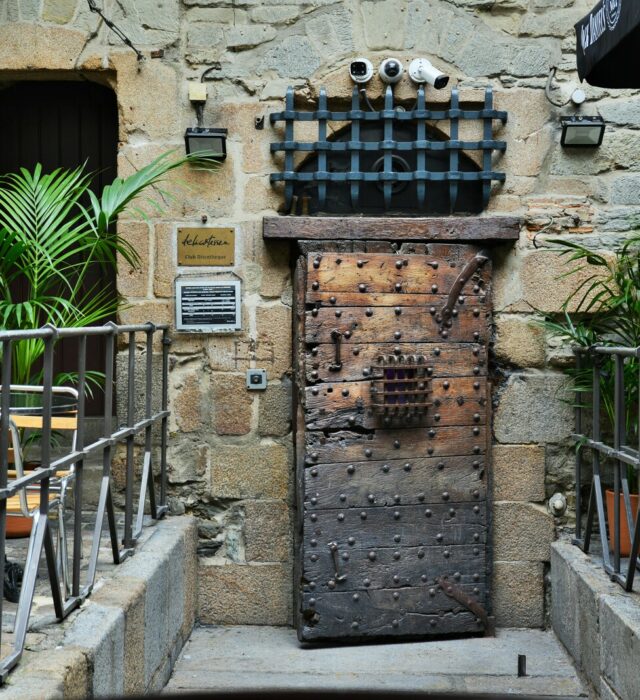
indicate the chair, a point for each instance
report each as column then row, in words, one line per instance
column 24, row 506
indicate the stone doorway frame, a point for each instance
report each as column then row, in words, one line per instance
column 347, row 233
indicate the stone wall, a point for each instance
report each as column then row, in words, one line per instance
column 231, row 451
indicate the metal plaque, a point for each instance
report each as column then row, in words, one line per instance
column 208, row 247
column 204, row 305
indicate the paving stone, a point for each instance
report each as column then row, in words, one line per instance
column 58, row 11
column 133, row 281
column 251, row 658
column 293, row 57
column 260, row 470
column 268, row 531
column 106, row 649
column 245, row 594
column 533, row 407
column 518, row 472
column 274, row 417
column 521, row 532
column 274, row 335
column 620, row 629
column 518, row 594
column 519, row 341
column 246, row 37
column 232, row 404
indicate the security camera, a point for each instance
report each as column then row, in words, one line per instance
column 361, row 70
column 390, row 70
column 423, row 71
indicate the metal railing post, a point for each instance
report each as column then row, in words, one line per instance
column 131, row 419
column 79, row 467
column 578, row 425
column 166, row 343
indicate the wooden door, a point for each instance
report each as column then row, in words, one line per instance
column 392, row 437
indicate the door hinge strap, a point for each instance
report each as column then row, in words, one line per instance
column 478, row 260
column 451, row 590
column 336, row 365
column 333, row 546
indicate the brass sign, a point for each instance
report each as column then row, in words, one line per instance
column 213, row 247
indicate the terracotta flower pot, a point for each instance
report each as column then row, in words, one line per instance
column 625, row 537
column 18, row 526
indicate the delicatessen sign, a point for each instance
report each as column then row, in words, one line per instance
column 207, row 247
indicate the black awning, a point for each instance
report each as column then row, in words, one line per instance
column 608, row 44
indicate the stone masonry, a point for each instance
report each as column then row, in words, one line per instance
column 231, row 454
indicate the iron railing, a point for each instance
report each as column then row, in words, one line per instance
column 41, row 536
column 620, row 454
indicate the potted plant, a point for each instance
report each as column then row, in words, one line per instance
column 606, row 312
column 53, row 228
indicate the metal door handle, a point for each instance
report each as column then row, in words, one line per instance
column 336, row 366
column 333, row 546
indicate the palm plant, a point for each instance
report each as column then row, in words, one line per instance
column 53, row 228
column 607, row 312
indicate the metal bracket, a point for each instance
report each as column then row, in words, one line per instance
column 336, row 365
column 333, row 546
column 479, row 259
column 452, row 591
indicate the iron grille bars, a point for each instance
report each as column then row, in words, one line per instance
column 621, row 455
column 68, row 597
column 387, row 118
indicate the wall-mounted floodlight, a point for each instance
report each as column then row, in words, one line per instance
column 210, row 141
column 581, row 131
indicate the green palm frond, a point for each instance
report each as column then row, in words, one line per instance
column 53, row 229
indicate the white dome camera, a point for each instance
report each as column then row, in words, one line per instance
column 361, row 70
column 423, row 71
column 390, row 70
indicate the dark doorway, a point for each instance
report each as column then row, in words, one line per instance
column 64, row 124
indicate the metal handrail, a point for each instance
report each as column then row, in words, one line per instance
column 41, row 536
column 619, row 452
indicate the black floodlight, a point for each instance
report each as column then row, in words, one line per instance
column 212, row 143
column 582, row 132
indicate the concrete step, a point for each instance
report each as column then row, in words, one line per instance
column 249, row 658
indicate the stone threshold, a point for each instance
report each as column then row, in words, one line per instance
column 126, row 637
column 597, row 621
column 269, row 659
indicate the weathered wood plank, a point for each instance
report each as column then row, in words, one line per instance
column 345, row 446
column 379, row 617
column 490, row 228
column 393, row 482
column 393, row 567
column 383, row 325
column 427, row 524
column 341, row 299
column 459, row 401
column 388, row 274
column 447, row 359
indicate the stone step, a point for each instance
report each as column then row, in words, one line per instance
column 250, row 658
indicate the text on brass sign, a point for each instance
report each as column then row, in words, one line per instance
column 206, row 246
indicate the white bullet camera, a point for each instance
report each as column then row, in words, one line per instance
column 390, row 70
column 422, row 71
column 361, row 70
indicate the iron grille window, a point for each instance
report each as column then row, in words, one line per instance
column 394, row 150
